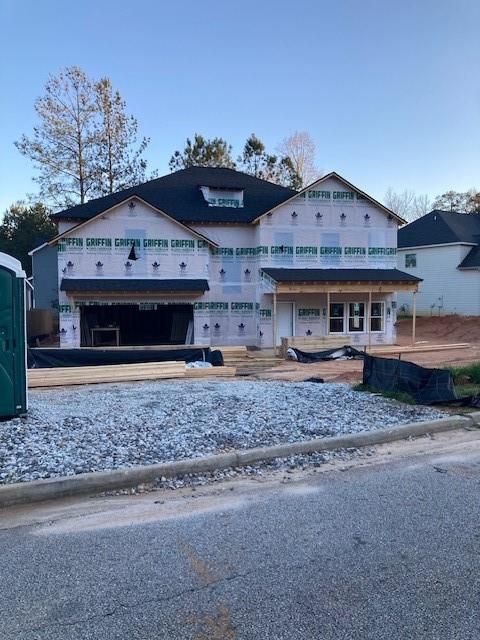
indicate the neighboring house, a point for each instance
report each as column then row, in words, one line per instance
column 217, row 257
column 442, row 248
column 45, row 276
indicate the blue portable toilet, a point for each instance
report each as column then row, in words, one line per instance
column 13, row 369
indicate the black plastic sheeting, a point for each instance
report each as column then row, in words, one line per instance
column 425, row 386
column 47, row 358
column 331, row 354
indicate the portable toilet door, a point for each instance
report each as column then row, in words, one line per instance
column 13, row 371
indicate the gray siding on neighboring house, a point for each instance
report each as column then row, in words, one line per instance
column 445, row 288
column 45, row 278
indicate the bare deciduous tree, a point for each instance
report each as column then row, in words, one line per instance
column 407, row 204
column 300, row 148
column 460, row 202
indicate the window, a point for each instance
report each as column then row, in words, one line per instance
column 410, row 260
column 336, row 318
column 377, row 317
column 356, row 317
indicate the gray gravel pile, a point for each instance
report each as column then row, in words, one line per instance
column 287, row 466
column 99, row 427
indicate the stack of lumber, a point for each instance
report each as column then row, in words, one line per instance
column 417, row 349
column 248, row 362
column 314, row 343
column 62, row 376
column 232, row 353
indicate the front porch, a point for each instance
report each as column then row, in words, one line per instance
column 346, row 306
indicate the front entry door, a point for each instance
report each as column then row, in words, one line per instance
column 284, row 321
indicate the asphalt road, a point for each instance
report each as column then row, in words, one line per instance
column 381, row 551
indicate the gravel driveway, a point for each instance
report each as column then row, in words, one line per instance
column 98, row 427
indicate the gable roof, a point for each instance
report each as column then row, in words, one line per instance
column 337, row 176
column 471, row 260
column 441, row 227
column 82, row 223
column 178, row 195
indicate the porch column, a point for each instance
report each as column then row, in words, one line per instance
column 414, row 318
column 368, row 319
column 274, row 320
column 328, row 312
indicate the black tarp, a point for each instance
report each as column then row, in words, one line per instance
column 331, row 354
column 46, row 358
column 425, row 386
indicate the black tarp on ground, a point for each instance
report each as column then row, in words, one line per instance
column 47, row 358
column 331, row 354
column 425, row 386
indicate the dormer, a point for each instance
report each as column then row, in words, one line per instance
column 219, row 197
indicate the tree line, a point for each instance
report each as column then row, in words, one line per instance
column 411, row 206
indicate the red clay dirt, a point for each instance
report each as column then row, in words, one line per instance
column 429, row 330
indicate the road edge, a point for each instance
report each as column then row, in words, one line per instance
column 98, row 481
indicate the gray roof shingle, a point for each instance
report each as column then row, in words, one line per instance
column 339, row 275
column 440, row 227
column 471, row 260
column 121, row 285
column 178, row 195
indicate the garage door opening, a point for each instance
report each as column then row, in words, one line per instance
column 133, row 325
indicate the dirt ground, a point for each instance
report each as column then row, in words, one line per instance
column 429, row 330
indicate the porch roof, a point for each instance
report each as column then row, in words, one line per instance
column 318, row 280
column 133, row 285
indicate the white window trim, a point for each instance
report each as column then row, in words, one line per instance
column 405, row 260
column 336, row 333
column 365, row 304
column 384, row 306
column 367, row 318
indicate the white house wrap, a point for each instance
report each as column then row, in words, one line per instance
column 216, row 257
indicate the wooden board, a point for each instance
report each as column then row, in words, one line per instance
column 419, row 349
column 63, row 376
column 59, row 376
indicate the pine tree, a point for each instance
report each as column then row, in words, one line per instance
column 63, row 145
column 85, row 143
column 203, row 152
column 24, row 227
column 118, row 164
column 257, row 162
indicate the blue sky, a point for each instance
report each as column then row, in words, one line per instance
column 389, row 90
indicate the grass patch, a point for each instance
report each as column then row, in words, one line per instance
column 461, row 390
column 392, row 395
column 466, row 375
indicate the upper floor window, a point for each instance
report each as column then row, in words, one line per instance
column 410, row 260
